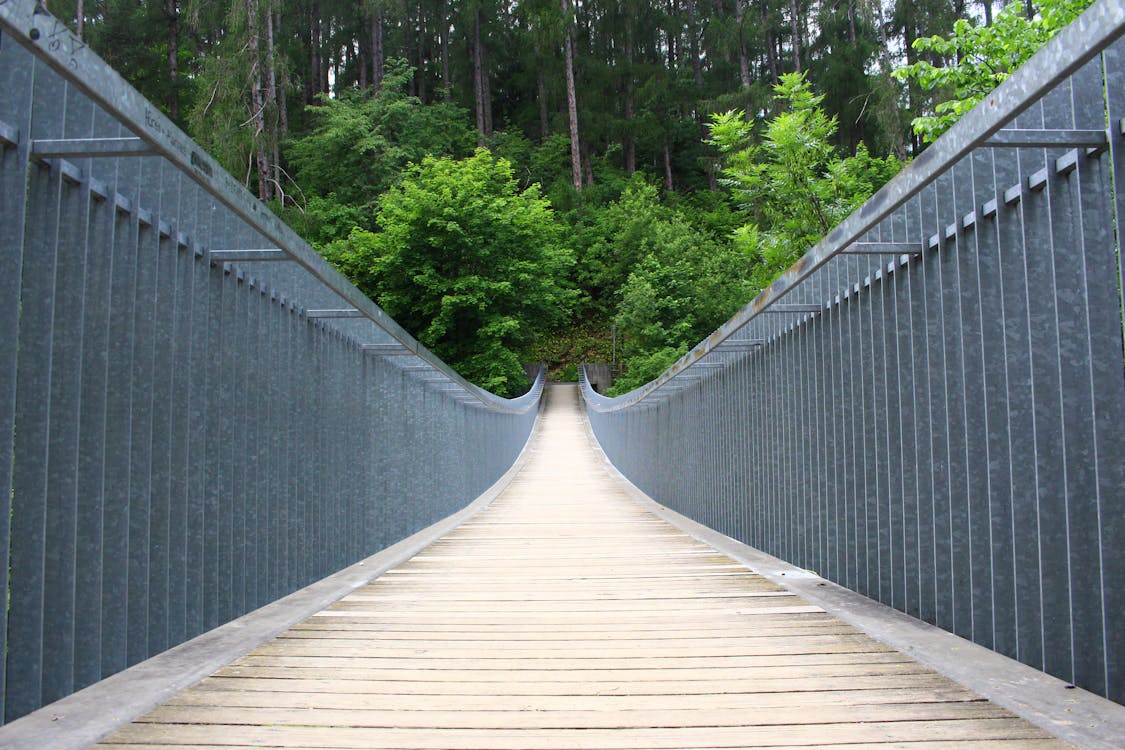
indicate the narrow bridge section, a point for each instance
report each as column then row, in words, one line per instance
column 566, row 615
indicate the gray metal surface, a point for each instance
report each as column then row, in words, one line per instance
column 1085, row 720
column 85, row 717
column 186, row 436
column 945, row 432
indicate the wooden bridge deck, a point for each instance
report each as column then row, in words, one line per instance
column 565, row 615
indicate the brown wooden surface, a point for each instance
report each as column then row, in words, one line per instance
column 566, row 616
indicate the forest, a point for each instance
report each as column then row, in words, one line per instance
column 563, row 180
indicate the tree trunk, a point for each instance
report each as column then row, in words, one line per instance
column 693, row 44
column 328, row 60
column 886, row 65
column 257, row 105
column 795, row 25
column 173, row 15
column 587, row 165
column 314, row 53
column 541, row 91
column 420, row 47
column 629, row 143
column 446, row 79
column 272, row 106
column 79, row 19
column 987, row 12
column 477, row 55
column 770, row 43
column 743, row 59
column 364, row 44
column 669, row 185
column 282, row 101
column 378, row 53
column 486, row 87
column 571, row 98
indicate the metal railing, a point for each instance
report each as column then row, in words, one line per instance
column 928, row 408
column 198, row 415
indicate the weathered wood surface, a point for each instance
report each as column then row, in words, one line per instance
column 566, row 616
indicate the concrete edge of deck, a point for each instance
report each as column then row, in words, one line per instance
column 1072, row 714
column 85, row 717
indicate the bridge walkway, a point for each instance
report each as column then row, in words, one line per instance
column 566, row 615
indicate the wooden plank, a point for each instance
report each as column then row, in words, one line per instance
column 778, row 667
column 438, row 623
column 573, row 648
column 361, row 629
column 827, row 714
column 968, row 730
column 504, row 684
column 520, row 663
column 361, row 699
column 564, row 616
column 1020, row 744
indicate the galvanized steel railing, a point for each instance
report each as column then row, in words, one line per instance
column 929, row 408
column 197, row 414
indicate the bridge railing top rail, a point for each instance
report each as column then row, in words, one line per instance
column 347, row 308
column 987, row 125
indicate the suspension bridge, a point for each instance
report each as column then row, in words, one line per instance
column 880, row 507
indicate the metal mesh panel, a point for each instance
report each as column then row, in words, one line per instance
column 190, row 428
column 929, row 407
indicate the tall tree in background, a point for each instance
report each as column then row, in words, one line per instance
column 476, row 56
column 378, row 51
column 571, row 96
column 605, row 97
column 172, row 12
column 629, row 83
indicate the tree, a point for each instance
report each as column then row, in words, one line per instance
column 666, row 282
column 467, row 263
column 360, row 143
column 571, row 100
column 792, row 184
column 978, row 58
column 238, row 115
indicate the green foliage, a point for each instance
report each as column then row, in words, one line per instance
column 471, row 266
column 568, row 374
column 975, row 58
column 846, row 49
column 131, row 37
column 220, row 118
column 322, row 221
column 709, row 211
column 791, row 181
column 680, row 282
column 660, row 250
column 360, row 143
column 615, row 237
column 645, row 367
column 565, row 347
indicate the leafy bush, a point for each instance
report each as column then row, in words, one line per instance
column 361, row 143
column 791, row 182
column 467, row 263
column 978, row 58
